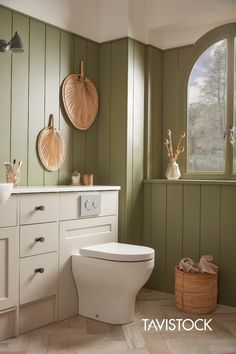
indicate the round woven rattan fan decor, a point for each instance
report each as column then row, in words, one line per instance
column 51, row 147
column 80, row 99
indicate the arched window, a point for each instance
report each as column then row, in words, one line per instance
column 211, row 107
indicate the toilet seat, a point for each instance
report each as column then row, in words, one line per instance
column 119, row 252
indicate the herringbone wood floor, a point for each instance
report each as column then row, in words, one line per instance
column 79, row 335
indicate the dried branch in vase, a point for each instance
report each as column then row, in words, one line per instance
column 173, row 155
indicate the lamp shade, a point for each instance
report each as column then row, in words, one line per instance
column 16, row 44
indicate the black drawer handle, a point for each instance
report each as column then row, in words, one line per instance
column 39, row 270
column 39, row 239
column 40, row 207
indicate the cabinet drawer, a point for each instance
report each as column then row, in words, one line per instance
column 35, row 286
column 38, row 238
column 37, row 208
column 8, row 212
column 70, row 204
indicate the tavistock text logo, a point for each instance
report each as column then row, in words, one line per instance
column 177, row 324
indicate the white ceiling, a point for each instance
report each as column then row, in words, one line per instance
column 162, row 23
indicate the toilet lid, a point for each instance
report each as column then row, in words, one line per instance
column 118, row 252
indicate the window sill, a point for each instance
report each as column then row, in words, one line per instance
column 191, row 181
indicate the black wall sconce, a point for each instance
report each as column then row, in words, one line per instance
column 15, row 45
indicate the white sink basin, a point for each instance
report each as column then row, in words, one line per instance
column 5, row 192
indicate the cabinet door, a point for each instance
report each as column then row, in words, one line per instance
column 75, row 234
column 9, row 269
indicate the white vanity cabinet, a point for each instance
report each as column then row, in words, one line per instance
column 8, row 267
column 38, row 219
column 9, row 271
column 40, row 228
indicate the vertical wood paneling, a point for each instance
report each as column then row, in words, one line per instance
column 153, row 113
column 19, row 104
column 206, row 227
column 30, row 91
column 227, row 241
column 156, row 110
column 5, row 92
column 174, row 229
column 138, row 139
column 210, row 221
column 121, row 129
column 158, row 221
column 78, row 136
column 119, row 70
column 129, row 143
column 147, row 214
column 36, row 98
column 159, row 224
column 104, row 123
column 52, row 83
column 191, row 221
column 91, row 133
column 66, row 68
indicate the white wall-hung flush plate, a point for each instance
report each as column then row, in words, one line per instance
column 90, row 205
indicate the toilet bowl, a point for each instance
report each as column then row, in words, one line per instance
column 108, row 277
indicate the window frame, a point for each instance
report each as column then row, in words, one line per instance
column 227, row 32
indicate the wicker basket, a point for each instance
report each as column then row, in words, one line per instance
column 194, row 292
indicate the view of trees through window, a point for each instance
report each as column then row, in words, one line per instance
column 206, row 111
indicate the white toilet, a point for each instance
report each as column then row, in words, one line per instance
column 108, row 277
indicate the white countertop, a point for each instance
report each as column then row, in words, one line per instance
column 67, row 188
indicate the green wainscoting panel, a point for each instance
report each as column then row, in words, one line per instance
column 5, row 92
column 135, row 137
column 121, row 129
column 118, row 125
column 20, row 96
column 191, row 221
column 78, row 137
column 227, row 294
column 159, row 224
column 153, row 113
column 129, row 142
column 210, row 221
column 147, row 190
column 52, row 87
column 228, row 236
column 104, row 124
column 138, row 141
column 92, row 133
column 36, row 98
column 174, row 227
column 112, row 123
column 66, row 68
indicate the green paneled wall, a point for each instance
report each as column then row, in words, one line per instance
column 153, row 113
column 121, row 129
column 30, row 92
column 191, row 219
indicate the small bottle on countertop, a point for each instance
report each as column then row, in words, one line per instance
column 75, row 178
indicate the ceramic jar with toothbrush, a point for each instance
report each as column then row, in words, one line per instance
column 13, row 172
